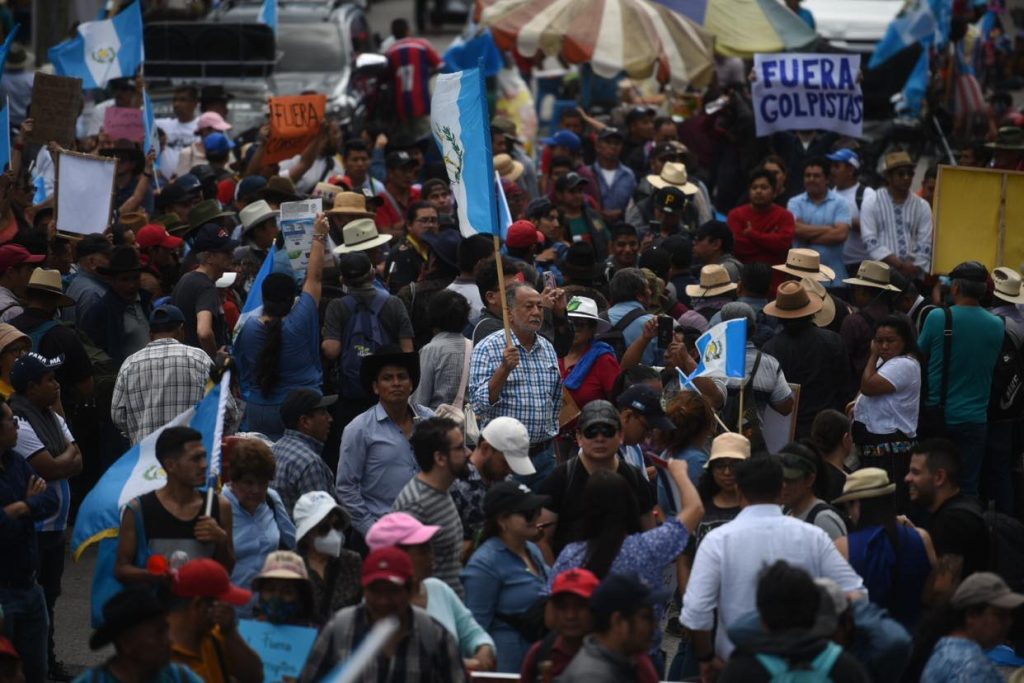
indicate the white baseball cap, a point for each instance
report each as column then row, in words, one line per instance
column 508, row 435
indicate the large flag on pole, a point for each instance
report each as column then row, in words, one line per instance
column 102, row 50
column 5, row 133
column 462, row 130
column 723, row 351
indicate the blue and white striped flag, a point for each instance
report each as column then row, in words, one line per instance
column 5, row 134
column 723, row 351
column 268, row 15
column 916, row 25
column 102, row 50
column 462, row 130
column 6, row 47
column 254, row 301
column 136, row 473
column 504, row 214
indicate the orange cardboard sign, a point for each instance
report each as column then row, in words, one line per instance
column 294, row 122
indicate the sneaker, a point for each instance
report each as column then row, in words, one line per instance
column 59, row 672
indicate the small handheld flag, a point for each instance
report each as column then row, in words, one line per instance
column 254, row 302
column 723, row 351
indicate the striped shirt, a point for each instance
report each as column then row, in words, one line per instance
column 431, row 506
column 300, row 469
column 901, row 230
column 532, row 393
column 442, row 362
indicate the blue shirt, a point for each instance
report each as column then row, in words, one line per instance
column 695, row 460
column 172, row 673
column 831, row 210
column 18, row 535
column 532, row 393
column 300, row 353
column 255, row 536
column 618, row 195
column 956, row 660
column 375, row 464
column 87, row 290
column 652, row 354
column 497, row 580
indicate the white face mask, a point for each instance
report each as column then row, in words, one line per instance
column 330, row 543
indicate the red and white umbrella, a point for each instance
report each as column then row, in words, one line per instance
column 636, row 36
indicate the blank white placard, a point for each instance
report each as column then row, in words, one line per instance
column 84, row 193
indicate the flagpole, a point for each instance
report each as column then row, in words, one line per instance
column 739, row 420
column 501, row 288
column 218, row 435
column 685, row 381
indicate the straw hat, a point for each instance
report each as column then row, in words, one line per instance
column 870, row 482
column 673, row 174
column 827, row 314
column 585, row 308
column 806, row 263
column 714, row 280
column 10, row 334
column 873, row 274
column 730, row 445
column 894, row 160
column 792, row 301
column 46, row 280
column 508, row 168
column 1007, row 285
column 350, row 204
column 360, row 235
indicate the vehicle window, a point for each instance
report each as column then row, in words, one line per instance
column 309, row 47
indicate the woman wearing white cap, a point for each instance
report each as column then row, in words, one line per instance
column 334, row 571
column 590, row 368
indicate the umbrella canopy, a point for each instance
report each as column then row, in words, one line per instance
column 636, row 36
column 744, row 27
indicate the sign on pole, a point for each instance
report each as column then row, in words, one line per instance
column 808, row 92
column 294, row 122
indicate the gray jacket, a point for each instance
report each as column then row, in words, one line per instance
column 595, row 663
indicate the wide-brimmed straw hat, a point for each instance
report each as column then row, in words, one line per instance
column 806, row 263
column 894, row 160
column 874, row 274
column 360, row 235
column 1008, row 137
column 507, row 167
column 673, row 174
column 869, row 482
column 793, row 301
column 45, row 280
column 350, row 204
column 714, row 280
column 1007, row 283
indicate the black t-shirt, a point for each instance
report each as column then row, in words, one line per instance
column 60, row 340
column 196, row 292
column 714, row 517
column 959, row 531
column 565, row 487
column 835, row 480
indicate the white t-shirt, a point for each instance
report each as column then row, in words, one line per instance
column 887, row 413
column 179, row 136
column 609, row 176
column 471, row 293
column 853, row 250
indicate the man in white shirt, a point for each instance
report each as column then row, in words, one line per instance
column 896, row 225
column 729, row 559
column 181, row 129
column 844, row 175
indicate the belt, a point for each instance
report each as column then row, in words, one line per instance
column 539, row 447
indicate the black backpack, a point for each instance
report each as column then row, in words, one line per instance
column 1005, row 542
column 616, row 337
column 1006, row 401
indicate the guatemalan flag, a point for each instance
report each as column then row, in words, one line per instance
column 6, row 47
column 916, row 25
column 102, row 50
column 723, row 351
column 254, row 301
column 461, row 126
column 268, row 15
column 136, row 473
column 5, row 134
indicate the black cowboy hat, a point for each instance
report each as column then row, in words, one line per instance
column 580, row 262
column 389, row 354
column 122, row 260
column 124, row 611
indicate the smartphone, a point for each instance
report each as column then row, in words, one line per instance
column 549, row 280
column 665, row 327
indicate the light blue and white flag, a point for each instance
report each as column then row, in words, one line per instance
column 102, row 50
column 462, row 130
column 504, row 213
column 723, row 351
column 268, row 15
column 254, row 301
column 916, row 25
column 6, row 47
column 5, row 134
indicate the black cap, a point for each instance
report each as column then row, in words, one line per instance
column 666, row 149
column 93, row 243
column 669, row 199
column 398, row 159
column 302, row 401
column 637, row 113
column 569, row 181
column 188, row 183
column 610, row 132
column 645, row 400
column 354, row 265
column 600, row 412
column 32, row 367
column 681, row 249
column 166, row 318
column 538, row 208
column 127, row 609
column 971, row 271
column 511, row 496
column 622, row 593
column 214, row 93
column 213, row 237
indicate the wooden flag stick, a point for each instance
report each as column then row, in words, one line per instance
column 501, row 289
column 739, row 421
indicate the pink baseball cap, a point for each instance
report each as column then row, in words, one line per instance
column 211, row 119
column 399, row 528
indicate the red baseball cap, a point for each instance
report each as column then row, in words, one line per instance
column 579, row 582
column 156, row 235
column 387, row 564
column 225, row 193
column 523, row 234
column 14, row 255
column 206, row 578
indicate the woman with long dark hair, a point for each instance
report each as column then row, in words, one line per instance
column 280, row 349
column 893, row 559
column 694, row 424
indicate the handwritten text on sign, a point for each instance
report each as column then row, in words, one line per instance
column 283, row 649
column 294, row 122
column 808, row 92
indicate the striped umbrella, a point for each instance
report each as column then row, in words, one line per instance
column 744, row 27
column 636, row 36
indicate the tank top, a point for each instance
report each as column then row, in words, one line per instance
column 166, row 534
column 894, row 577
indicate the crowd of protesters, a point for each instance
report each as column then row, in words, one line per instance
column 499, row 450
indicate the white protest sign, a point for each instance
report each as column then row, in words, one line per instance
column 808, row 92
column 84, row 189
column 296, row 224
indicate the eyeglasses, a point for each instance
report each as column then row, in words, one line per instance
column 723, row 464
column 594, row 431
column 429, row 220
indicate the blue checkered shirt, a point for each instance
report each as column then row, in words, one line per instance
column 532, row 393
column 300, row 469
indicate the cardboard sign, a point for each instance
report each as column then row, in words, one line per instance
column 283, row 649
column 56, row 102
column 84, row 192
column 296, row 223
column 808, row 92
column 124, row 122
column 294, row 122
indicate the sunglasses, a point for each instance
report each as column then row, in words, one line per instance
column 594, row 431
column 723, row 464
column 528, row 515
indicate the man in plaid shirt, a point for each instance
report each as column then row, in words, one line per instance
column 300, row 469
column 162, row 380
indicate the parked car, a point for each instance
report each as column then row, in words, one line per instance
column 853, row 25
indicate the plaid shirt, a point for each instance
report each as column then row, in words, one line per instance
column 155, row 385
column 532, row 393
column 300, row 469
column 468, row 495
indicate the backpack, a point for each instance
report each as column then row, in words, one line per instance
column 1006, row 402
column 616, row 336
column 818, row 508
column 819, row 667
column 1005, row 542
column 362, row 336
column 104, row 370
column 752, row 428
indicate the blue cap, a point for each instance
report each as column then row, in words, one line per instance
column 165, row 318
column 217, row 142
column 622, row 592
column 32, row 367
column 188, row 183
column 847, row 156
column 213, row 237
column 249, row 186
column 564, row 138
